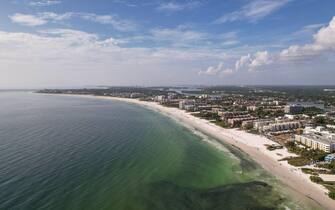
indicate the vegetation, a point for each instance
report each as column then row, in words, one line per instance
column 316, row 179
column 206, row 115
column 298, row 161
column 331, row 194
column 312, row 155
column 323, row 121
column 312, row 111
column 329, row 185
column 263, row 113
column 222, row 124
column 309, row 171
column 273, row 147
column 254, row 131
column 330, row 166
column 314, row 171
column 174, row 105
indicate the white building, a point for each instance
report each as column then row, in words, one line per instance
column 274, row 127
column 188, row 105
column 316, row 142
column 160, row 98
column 252, row 108
column 259, row 124
column 320, row 130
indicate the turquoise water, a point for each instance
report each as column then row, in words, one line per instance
column 59, row 152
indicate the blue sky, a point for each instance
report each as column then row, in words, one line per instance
column 53, row 43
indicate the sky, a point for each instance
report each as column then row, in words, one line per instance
column 79, row 43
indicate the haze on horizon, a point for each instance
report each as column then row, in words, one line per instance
column 55, row 43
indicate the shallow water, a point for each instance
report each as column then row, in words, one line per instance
column 59, row 152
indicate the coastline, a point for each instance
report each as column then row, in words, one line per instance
column 251, row 144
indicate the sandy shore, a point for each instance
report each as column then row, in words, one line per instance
column 253, row 145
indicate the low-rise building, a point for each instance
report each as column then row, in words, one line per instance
column 228, row 115
column 259, row 124
column 274, row 127
column 316, row 142
column 320, row 130
column 248, row 124
column 237, row 121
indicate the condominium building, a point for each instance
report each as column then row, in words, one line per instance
column 188, row 105
column 228, row 115
column 281, row 126
column 236, row 121
column 259, row 124
column 320, row 130
column 160, row 98
column 317, row 142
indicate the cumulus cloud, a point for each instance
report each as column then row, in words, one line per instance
column 242, row 62
column 260, row 59
column 27, row 20
column 216, row 70
column 254, row 11
column 324, row 41
column 252, row 62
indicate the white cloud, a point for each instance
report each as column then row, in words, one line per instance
column 44, row 2
column 55, row 17
column 242, row 62
column 309, row 29
column 178, row 35
column 184, row 36
column 253, row 62
column 27, row 20
column 260, row 59
column 229, row 38
column 324, row 40
column 66, row 57
column 216, row 70
column 254, row 11
column 44, row 17
column 121, row 25
column 175, row 7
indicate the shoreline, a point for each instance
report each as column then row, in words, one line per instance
column 251, row 144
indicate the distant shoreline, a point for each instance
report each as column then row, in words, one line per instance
column 251, row 144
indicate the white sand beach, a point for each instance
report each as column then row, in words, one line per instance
column 251, row 144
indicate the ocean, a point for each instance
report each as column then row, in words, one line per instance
column 61, row 152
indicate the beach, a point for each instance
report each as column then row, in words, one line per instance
column 251, row 144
